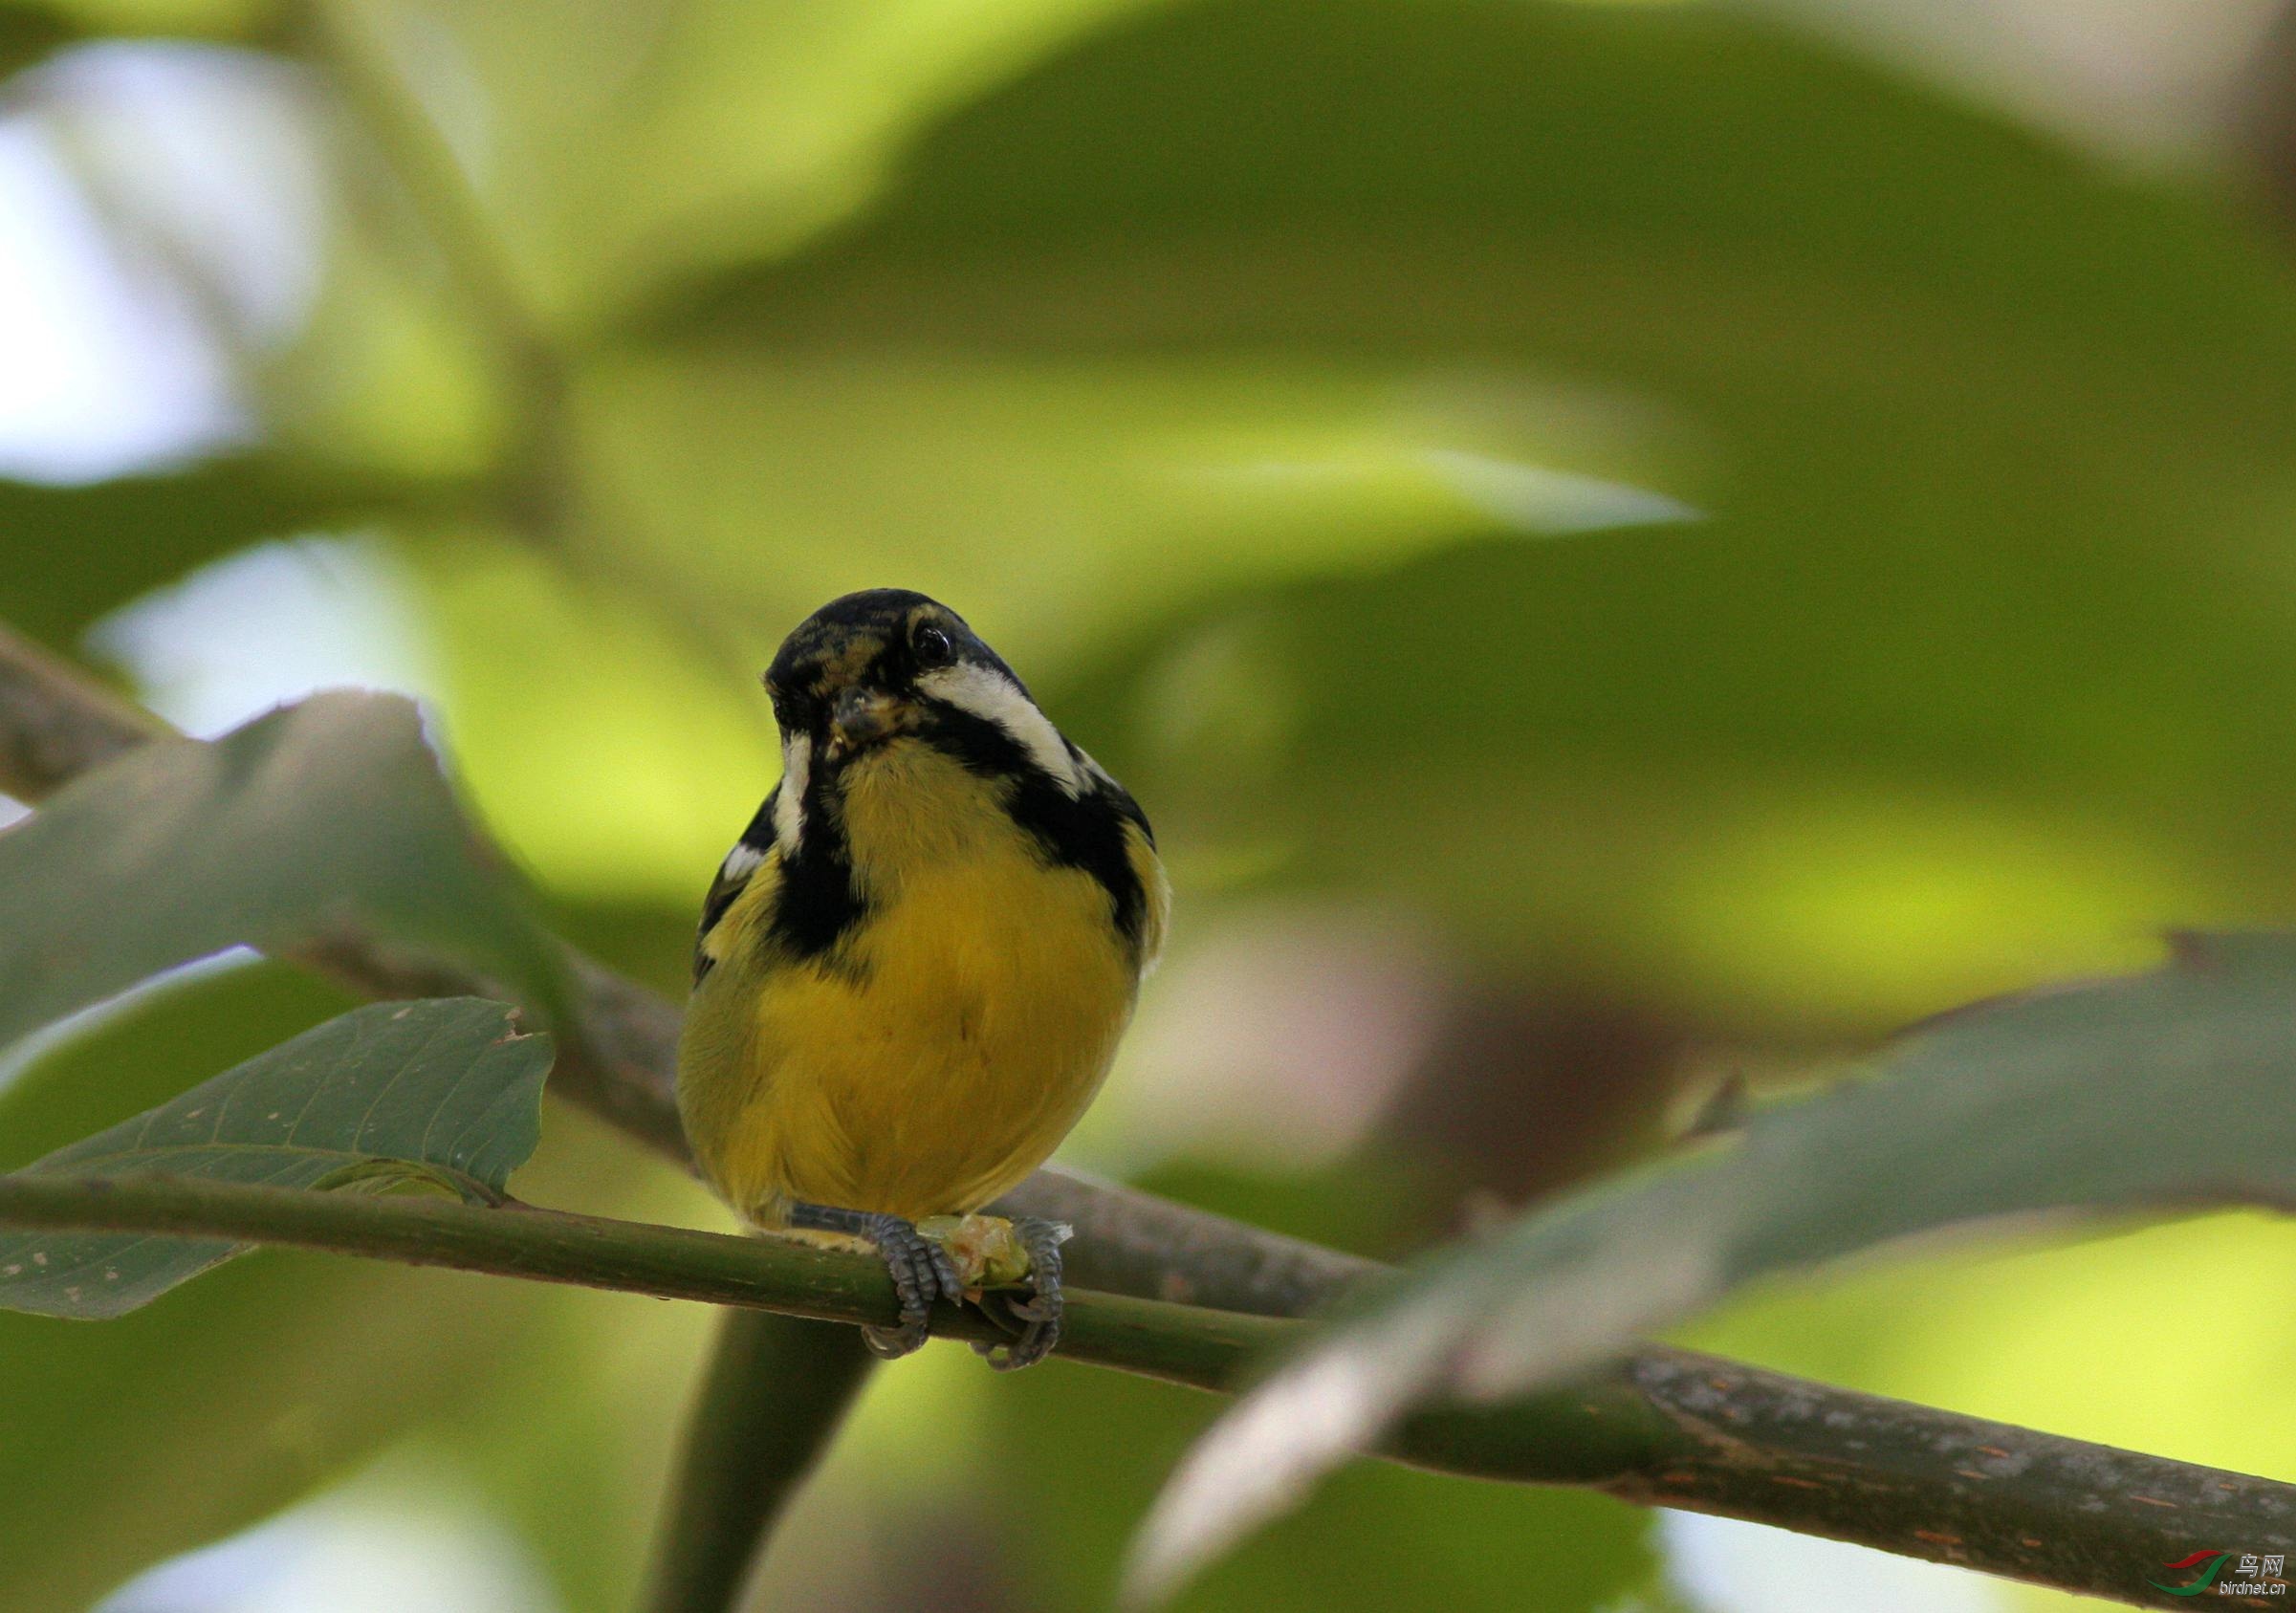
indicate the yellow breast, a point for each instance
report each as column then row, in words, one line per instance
column 943, row 1048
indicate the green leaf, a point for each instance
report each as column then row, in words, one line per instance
column 27, row 35
column 260, row 1377
column 442, row 1090
column 2167, row 1091
column 327, row 813
column 85, row 548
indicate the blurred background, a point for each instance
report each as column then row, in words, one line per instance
column 1627, row 548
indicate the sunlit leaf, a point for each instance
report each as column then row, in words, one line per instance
column 2160, row 1092
column 441, row 1091
column 318, row 816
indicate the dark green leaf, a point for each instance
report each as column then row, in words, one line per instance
column 442, row 1090
column 28, row 35
column 79, row 551
column 2167, row 1091
column 321, row 815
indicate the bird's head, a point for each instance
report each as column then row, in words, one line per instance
column 870, row 668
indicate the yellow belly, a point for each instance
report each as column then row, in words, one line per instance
column 929, row 1065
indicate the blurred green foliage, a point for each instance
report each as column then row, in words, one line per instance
column 1698, row 522
column 2060, row 1104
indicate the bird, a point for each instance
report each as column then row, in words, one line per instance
column 914, row 966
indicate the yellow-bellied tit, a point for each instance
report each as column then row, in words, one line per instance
column 914, row 965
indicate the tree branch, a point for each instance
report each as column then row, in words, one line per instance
column 57, row 723
column 1148, row 1336
column 1926, row 1483
column 1662, row 1428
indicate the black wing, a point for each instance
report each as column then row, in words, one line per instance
column 733, row 875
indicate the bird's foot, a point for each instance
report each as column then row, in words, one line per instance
column 1035, row 1322
column 921, row 1270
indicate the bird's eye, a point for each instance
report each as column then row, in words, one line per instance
column 932, row 648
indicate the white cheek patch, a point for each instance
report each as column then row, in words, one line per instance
column 789, row 806
column 989, row 695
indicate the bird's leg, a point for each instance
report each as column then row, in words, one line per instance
column 1039, row 1317
column 922, row 1272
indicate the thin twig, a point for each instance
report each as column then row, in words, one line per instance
column 1180, row 1344
column 1681, row 1431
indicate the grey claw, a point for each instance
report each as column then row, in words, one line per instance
column 921, row 1270
column 944, row 1269
column 891, row 1343
column 1042, row 1239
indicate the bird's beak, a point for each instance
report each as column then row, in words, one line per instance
column 861, row 716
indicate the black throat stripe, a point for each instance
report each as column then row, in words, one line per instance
column 1084, row 831
column 819, row 901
